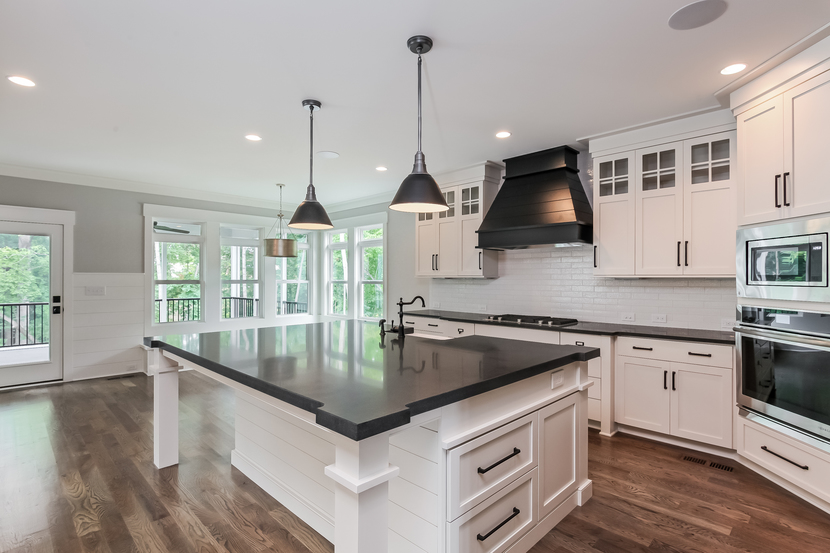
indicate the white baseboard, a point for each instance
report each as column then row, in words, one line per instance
column 546, row 525
column 679, row 442
column 790, row 487
column 321, row 522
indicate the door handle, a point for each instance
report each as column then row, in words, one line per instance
column 678, row 253
column 771, row 452
column 673, row 374
column 436, row 261
column 786, row 203
column 777, row 178
column 687, row 253
column 665, row 382
column 595, row 257
column 479, row 260
column 56, row 310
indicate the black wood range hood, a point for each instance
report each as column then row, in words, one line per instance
column 541, row 202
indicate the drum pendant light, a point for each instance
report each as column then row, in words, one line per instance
column 279, row 246
column 311, row 215
column 419, row 193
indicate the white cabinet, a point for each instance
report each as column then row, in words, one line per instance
column 667, row 210
column 782, row 144
column 558, row 453
column 446, row 242
column 601, row 372
column 692, row 400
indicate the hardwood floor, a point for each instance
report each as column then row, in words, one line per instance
column 77, row 475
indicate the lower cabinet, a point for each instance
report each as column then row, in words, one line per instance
column 691, row 401
column 558, row 453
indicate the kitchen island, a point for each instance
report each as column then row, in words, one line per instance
column 378, row 443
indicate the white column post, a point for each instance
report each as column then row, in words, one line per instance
column 361, row 496
column 166, row 413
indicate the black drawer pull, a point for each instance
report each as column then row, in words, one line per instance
column 516, row 451
column 430, row 324
column 505, row 521
column 595, row 257
column 700, row 354
column 644, row 349
column 461, row 331
column 578, row 343
column 409, row 322
column 802, row 467
column 673, row 374
column 777, row 203
column 665, row 375
column 786, row 203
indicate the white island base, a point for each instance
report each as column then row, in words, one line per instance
column 491, row 473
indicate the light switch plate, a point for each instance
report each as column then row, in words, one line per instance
column 557, row 379
column 627, row 317
column 658, row 318
column 95, row 290
column 727, row 324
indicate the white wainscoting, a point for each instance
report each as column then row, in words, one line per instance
column 107, row 328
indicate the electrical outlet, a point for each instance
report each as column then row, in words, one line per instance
column 658, row 318
column 435, row 304
column 627, row 317
column 95, row 290
column 557, row 379
column 132, row 368
column 727, row 324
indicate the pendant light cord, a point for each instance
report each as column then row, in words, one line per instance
column 311, row 146
column 279, row 217
column 419, row 98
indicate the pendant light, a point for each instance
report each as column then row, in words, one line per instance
column 279, row 246
column 419, row 193
column 311, row 215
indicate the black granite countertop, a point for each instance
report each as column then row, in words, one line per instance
column 607, row 329
column 358, row 384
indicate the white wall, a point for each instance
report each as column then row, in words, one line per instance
column 559, row 282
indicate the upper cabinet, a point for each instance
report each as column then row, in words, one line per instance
column 783, row 136
column 667, row 209
column 446, row 242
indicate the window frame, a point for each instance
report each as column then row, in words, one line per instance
column 361, row 245
column 245, row 243
column 284, row 282
column 346, row 247
column 178, row 239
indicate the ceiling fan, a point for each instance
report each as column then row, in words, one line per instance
column 156, row 226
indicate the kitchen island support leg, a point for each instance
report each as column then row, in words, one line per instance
column 166, row 413
column 361, row 496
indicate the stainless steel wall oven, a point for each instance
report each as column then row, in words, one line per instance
column 784, row 360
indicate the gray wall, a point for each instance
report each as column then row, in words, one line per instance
column 400, row 255
column 109, row 225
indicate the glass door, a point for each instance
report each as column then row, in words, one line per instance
column 31, row 294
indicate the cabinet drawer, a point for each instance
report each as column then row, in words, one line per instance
column 594, row 409
column 517, row 333
column 480, row 467
column 500, row 521
column 695, row 353
column 814, row 479
column 454, row 329
column 424, row 324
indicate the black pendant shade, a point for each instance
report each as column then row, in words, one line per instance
column 310, row 214
column 419, row 193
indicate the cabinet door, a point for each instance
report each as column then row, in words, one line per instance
column 761, row 162
column 614, row 215
column 471, row 260
column 448, row 236
column 701, row 405
column 709, row 206
column 426, row 244
column 642, row 393
column 558, row 453
column 659, row 194
column 806, row 136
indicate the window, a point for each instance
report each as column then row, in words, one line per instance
column 293, row 278
column 337, row 254
column 239, row 269
column 177, row 276
column 370, row 256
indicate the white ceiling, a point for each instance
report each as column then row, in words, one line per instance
column 162, row 92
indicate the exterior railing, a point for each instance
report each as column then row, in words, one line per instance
column 234, row 308
column 294, row 307
column 24, row 324
column 190, row 309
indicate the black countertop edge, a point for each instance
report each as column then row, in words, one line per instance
column 363, row 430
column 587, row 327
column 289, row 397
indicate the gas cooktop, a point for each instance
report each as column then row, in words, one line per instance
column 532, row 320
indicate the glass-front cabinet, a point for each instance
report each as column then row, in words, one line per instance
column 613, row 250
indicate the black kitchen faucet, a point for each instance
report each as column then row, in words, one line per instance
column 401, row 330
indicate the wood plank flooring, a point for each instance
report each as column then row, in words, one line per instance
column 77, row 475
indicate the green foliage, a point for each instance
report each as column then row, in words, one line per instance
column 24, row 271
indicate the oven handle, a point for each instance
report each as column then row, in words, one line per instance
column 795, row 339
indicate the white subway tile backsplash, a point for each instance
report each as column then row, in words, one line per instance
column 560, row 282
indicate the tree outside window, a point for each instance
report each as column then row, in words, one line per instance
column 239, row 267
column 338, row 269
column 177, row 261
column 293, row 283
column 370, row 253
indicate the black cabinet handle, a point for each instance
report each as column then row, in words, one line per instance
column 479, row 260
column 580, row 343
column 678, row 253
column 430, row 324
column 461, row 331
column 665, row 383
column 802, row 467
column 786, row 203
column 777, row 178
column 595, row 257
column 700, row 354
column 409, row 322
column 686, row 247
column 436, row 261
column 643, row 349
column 505, row 521
column 673, row 388
column 516, row 451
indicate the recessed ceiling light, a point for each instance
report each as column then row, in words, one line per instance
column 732, row 69
column 253, row 137
column 381, row 168
column 697, row 14
column 22, row 81
column 328, row 155
column 502, row 134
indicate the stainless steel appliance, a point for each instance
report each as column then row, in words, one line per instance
column 785, row 261
column 784, row 360
column 532, row 320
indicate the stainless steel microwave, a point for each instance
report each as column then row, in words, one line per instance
column 786, row 261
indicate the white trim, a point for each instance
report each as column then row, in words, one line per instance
column 188, row 215
column 360, row 485
column 366, row 201
column 36, row 215
column 361, row 221
column 167, row 189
